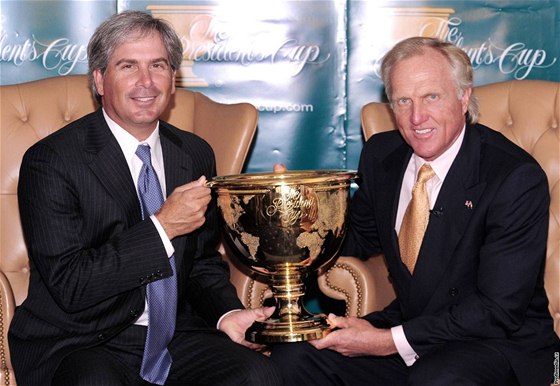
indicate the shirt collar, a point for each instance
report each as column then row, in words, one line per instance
column 442, row 164
column 128, row 142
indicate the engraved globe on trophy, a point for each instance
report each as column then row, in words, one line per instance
column 283, row 226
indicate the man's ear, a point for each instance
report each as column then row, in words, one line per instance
column 465, row 99
column 98, row 80
column 173, row 78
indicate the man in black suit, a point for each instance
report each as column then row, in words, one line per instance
column 471, row 308
column 95, row 248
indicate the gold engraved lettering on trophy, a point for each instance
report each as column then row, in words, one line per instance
column 293, row 205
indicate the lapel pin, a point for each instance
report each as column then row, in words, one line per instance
column 469, row 204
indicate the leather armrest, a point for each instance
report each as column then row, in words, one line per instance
column 7, row 308
column 362, row 284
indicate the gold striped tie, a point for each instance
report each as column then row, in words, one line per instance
column 415, row 220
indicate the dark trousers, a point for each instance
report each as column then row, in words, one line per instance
column 457, row 364
column 202, row 357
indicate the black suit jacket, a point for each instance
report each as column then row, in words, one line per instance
column 480, row 269
column 91, row 254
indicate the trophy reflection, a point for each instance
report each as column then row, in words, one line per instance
column 282, row 226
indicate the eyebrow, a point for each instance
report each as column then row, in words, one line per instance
column 427, row 94
column 134, row 61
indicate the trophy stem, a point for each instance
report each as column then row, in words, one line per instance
column 290, row 322
column 288, row 290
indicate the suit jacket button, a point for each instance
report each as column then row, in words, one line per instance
column 453, row 292
column 133, row 313
column 100, row 336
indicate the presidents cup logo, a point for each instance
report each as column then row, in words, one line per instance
column 516, row 59
column 193, row 24
column 294, row 205
column 208, row 38
column 427, row 22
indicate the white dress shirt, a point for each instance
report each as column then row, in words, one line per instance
column 441, row 166
column 129, row 144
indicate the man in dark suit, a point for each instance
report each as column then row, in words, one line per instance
column 471, row 308
column 97, row 246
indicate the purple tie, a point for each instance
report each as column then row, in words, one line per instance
column 161, row 294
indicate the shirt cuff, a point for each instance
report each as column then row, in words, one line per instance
column 166, row 242
column 404, row 348
column 223, row 316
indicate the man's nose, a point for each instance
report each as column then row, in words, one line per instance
column 418, row 114
column 144, row 77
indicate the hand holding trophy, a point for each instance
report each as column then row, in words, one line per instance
column 283, row 225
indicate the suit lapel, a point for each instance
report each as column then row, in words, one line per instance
column 107, row 162
column 178, row 171
column 459, row 193
column 388, row 192
column 178, row 164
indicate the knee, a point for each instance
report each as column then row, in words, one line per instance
column 68, row 376
column 289, row 357
column 430, row 373
column 263, row 372
column 296, row 362
column 85, row 368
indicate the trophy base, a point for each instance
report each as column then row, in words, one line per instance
column 276, row 331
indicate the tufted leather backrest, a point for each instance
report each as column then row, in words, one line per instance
column 33, row 110
column 528, row 113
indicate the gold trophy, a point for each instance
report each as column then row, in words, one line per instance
column 282, row 226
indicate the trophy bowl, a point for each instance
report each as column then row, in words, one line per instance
column 283, row 226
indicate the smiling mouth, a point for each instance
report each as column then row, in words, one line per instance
column 423, row 131
column 144, row 99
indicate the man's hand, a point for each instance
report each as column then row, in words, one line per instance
column 279, row 168
column 236, row 323
column 356, row 337
column 184, row 210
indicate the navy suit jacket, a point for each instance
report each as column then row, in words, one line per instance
column 479, row 274
column 91, row 254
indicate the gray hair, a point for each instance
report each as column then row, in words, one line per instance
column 461, row 67
column 117, row 29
